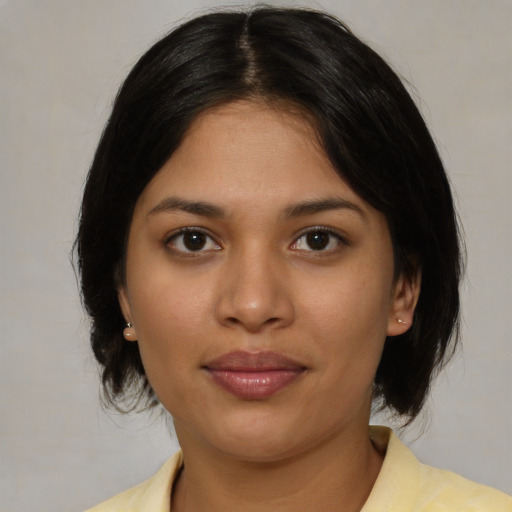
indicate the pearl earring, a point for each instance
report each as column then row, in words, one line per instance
column 401, row 321
column 129, row 333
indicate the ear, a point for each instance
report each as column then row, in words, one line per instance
column 405, row 297
column 129, row 332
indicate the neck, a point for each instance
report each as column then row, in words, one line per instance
column 336, row 476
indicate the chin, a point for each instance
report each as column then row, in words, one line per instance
column 260, row 437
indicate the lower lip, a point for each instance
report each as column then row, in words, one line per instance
column 254, row 385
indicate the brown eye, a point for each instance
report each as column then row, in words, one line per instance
column 190, row 241
column 194, row 241
column 318, row 240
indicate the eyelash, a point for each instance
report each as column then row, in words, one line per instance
column 324, row 230
column 183, row 231
column 210, row 240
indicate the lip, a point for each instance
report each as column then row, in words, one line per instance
column 254, row 375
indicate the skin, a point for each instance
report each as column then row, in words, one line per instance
column 258, row 285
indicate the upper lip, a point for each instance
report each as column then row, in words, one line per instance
column 243, row 361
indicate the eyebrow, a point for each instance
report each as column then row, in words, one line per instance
column 173, row 203
column 322, row 205
column 302, row 208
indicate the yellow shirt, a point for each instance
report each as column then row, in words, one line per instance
column 403, row 485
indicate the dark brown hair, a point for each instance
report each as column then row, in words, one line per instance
column 368, row 125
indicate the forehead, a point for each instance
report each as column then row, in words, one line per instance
column 249, row 152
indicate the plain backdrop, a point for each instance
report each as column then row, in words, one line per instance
column 61, row 62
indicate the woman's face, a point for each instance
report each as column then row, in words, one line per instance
column 260, row 287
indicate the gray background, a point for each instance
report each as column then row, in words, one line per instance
column 60, row 64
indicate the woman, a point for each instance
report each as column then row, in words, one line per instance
column 268, row 247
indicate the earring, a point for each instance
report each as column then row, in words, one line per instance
column 129, row 333
column 401, row 321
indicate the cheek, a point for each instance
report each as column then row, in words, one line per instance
column 170, row 321
column 165, row 301
column 348, row 320
column 348, row 302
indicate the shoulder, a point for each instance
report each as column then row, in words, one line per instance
column 454, row 492
column 406, row 485
column 153, row 495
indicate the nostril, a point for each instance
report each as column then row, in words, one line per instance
column 253, row 307
column 252, row 324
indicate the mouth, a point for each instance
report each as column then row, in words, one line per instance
column 253, row 375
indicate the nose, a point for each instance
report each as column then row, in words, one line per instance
column 255, row 293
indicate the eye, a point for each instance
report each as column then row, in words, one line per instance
column 191, row 240
column 318, row 240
